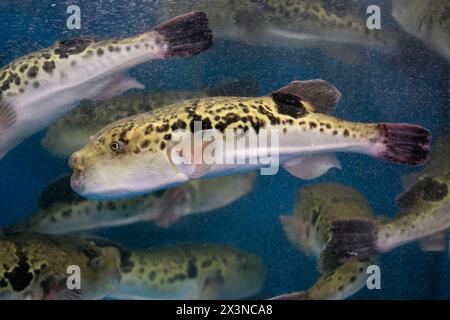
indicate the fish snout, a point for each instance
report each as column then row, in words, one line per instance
column 76, row 162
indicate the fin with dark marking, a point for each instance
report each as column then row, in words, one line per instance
column 186, row 35
column 321, row 95
column 7, row 116
column 312, row 167
column 353, row 239
column 58, row 190
column 404, row 143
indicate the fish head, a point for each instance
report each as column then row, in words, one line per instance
column 121, row 162
column 103, row 272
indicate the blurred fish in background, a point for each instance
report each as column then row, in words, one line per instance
column 310, row 228
column 34, row 267
column 190, row 271
column 63, row 211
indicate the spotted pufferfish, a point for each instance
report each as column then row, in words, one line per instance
column 39, row 88
column 137, row 154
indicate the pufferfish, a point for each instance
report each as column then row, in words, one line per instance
column 36, row 267
column 41, row 87
column 141, row 153
column 309, row 229
column 190, row 271
column 63, row 211
column 424, row 216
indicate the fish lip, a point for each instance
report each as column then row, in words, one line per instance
column 77, row 180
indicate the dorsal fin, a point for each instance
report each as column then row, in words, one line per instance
column 58, row 190
column 320, row 95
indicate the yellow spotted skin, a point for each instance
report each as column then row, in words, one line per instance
column 218, row 271
column 72, row 132
column 34, row 266
column 341, row 283
column 151, row 131
column 28, row 71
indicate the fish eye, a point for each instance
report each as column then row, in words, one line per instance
column 117, row 146
column 96, row 263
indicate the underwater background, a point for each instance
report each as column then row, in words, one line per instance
column 372, row 91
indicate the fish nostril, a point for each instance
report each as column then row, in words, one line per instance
column 75, row 162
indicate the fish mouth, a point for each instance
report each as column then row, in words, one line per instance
column 77, row 180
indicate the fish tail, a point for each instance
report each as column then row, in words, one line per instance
column 353, row 239
column 186, row 35
column 402, row 143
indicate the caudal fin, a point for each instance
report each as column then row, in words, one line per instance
column 353, row 239
column 403, row 143
column 186, row 35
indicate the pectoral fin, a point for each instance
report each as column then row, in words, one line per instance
column 115, row 86
column 433, row 243
column 312, row 167
column 7, row 116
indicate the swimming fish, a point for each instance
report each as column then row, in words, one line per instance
column 425, row 212
column 63, row 211
column 73, row 131
column 140, row 154
column 35, row 266
column 190, row 271
column 41, row 87
column 286, row 23
column 428, row 20
column 309, row 229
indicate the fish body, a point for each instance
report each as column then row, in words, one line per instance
column 425, row 212
column 137, row 154
column 72, row 132
column 298, row 24
column 34, row 266
column 192, row 271
column 310, row 229
column 428, row 20
column 70, row 213
column 41, row 87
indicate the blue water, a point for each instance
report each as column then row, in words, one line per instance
column 373, row 91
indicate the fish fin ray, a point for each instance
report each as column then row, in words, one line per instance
column 186, row 35
column 312, row 167
column 320, row 94
column 8, row 116
column 115, row 86
column 352, row 239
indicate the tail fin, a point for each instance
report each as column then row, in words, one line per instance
column 351, row 239
column 403, row 143
column 186, row 35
